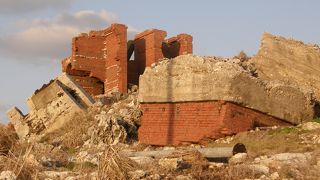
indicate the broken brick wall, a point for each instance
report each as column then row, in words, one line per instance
column 116, row 59
column 175, row 123
column 175, row 46
column 151, row 46
column 102, row 55
column 148, row 48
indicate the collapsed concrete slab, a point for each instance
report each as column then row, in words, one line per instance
column 191, row 98
column 289, row 61
column 193, row 78
column 50, row 107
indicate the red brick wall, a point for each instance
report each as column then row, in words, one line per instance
column 186, row 46
column 133, row 72
column 101, row 54
column 116, row 54
column 174, row 123
column 148, row 47
column 176, row 46
column 91, row 85
column 87, row 55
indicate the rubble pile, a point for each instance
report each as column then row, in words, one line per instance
column 115, row 122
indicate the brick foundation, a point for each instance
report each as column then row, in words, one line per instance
column 175, row 123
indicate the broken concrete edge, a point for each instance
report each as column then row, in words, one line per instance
column 288, row 60
column 69, row 82
column 16, row 118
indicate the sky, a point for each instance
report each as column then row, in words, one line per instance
column 35, row 35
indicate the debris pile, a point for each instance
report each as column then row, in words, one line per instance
column 117, row 122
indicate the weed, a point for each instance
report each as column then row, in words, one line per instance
column 317, row 120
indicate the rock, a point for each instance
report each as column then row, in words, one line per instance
column 182, row 177
column 259, row 169
column 142, row 160
column 213, row 165
column 173, row 163
column 138, row 174
column 16, row 117
column 274, row 176
column 238, row 158
column 196, row 78
column 310, row 126
column 7, row 175
column 32, row 160
column 154, row 177
column 56, row 174
column 292, row 157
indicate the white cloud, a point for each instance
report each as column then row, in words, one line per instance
column 15, row 7
column 49, row 40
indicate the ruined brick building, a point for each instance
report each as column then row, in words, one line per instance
column 179, row 111
column 100, row 60
column 184, row 98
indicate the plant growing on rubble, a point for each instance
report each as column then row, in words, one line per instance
column 317, row 120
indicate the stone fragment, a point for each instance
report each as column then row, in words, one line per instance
column 259, row 169
column 173, row 163
column 16, row 117
column 138, row 174
column 310, row 126
column 7, row 175
column 238, row 158
column 142, row 160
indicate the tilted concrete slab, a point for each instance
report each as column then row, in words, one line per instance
column 289, row 61
column 193, row 78
column 51, row 106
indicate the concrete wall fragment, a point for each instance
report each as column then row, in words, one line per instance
column 192, row 78
column 51, row 107
column 288, row 61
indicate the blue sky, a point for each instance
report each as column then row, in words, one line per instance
column 36, row 34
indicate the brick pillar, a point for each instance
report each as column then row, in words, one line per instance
column 148, row 47
column 116, row 58
column 185, row 41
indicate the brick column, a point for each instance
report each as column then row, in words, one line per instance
column 185, row 41
column 148, row 47
column 116, row 58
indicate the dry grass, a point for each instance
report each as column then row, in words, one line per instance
column 272, row 141
column 8, row 139
column 71, row 134
column 14, row 155
column 113, row 166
